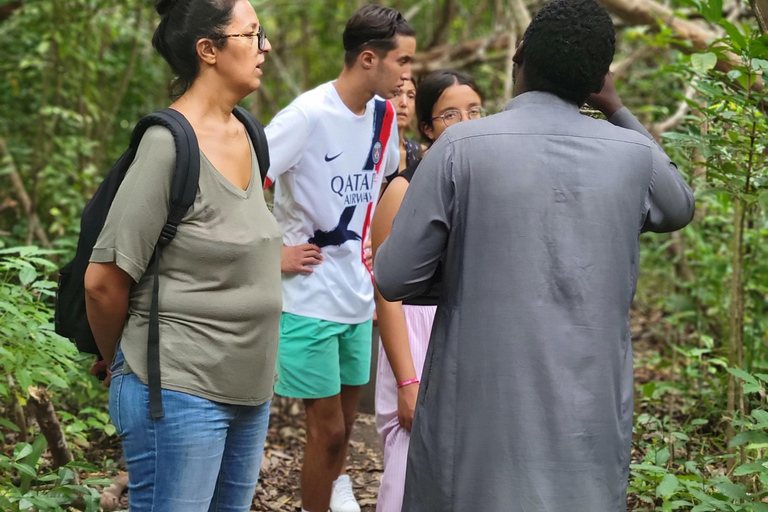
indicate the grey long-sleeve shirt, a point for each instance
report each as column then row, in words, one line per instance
column 526, row 400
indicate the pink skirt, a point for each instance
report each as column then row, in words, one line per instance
column 418, row 320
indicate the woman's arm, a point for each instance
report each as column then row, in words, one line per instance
column 107, row 288
column 392, row 326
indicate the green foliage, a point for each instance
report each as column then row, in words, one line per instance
column 685, row 456
column 73, row 84
column 32, row 353
column 58, row 488
column 683, row 433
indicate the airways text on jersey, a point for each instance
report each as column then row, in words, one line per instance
column 355, row 188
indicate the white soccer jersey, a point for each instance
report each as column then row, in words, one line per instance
column 328, row 165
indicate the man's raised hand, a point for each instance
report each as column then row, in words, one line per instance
column 607, row 100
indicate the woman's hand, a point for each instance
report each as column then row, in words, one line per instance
column 406, row 404
column 101, row 367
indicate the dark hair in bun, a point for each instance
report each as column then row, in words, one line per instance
column 163, row 6
column 183, row 24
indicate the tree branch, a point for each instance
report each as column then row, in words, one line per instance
column 8, row 9
column 33, row 224
column 622, row 67
column 445, row 20
column 635, row 12
column 761, row 13
column 116, row 101
column 285, row 74
column 50, row 426
column 673, row 121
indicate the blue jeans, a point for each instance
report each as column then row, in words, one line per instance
column 200, row 456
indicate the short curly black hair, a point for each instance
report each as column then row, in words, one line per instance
column 568, row 49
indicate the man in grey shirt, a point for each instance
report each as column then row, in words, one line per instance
column 526, row 400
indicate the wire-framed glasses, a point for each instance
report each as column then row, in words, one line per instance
column 455, row 115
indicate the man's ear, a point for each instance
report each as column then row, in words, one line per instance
column 517, row 58
column 206, row 51
column 368, row 59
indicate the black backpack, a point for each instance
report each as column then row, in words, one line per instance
column 70, row 316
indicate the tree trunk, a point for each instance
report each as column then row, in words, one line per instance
column 735, row 340
column 761, row 13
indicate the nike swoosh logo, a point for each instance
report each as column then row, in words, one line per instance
column 328, row 159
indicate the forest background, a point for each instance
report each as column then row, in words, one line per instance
column 77, row 75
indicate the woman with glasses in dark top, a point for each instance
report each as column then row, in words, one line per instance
column 220, row 297
column 445, row 98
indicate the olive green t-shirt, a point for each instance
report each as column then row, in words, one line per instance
column 220, row 293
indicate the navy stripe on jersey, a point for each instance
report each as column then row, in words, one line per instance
column 378, row 121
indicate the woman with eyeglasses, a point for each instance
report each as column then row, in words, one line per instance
column 220, row 293
column 445, row 98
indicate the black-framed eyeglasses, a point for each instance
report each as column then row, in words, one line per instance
column 455, row 115
column 261, row 35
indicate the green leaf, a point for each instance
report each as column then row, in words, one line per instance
column 733, row 491
column 760, row 64
column 98, row 480
column 25, row 504
column 712, row 10
column 38, row 447
column 668, row 486
column 662, row 456
column 741, row 374
column 65, row 475
column 751, row 467
column 8, row 424
column 84, row 466
column 760, row 415
column 703, row 62
column 751, row 437
column 736, row 37
column 27, row 275
column 25, row 469
column 22, row 450
column 647, row 467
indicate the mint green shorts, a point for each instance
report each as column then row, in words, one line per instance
column 316, row 357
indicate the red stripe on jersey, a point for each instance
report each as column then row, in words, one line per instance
column 267, row 182
column 386, row 132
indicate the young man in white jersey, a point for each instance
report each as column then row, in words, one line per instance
column 330, row 150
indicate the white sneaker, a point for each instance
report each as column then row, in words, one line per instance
column 342, row 498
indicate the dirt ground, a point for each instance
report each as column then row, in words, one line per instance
column 278, row 488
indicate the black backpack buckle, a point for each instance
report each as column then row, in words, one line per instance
column 167, row 234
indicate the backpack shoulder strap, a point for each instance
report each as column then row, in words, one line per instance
column 258, row 138
column 187, row 173
column 182, row 196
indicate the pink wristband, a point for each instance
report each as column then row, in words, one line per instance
column 407, row 382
